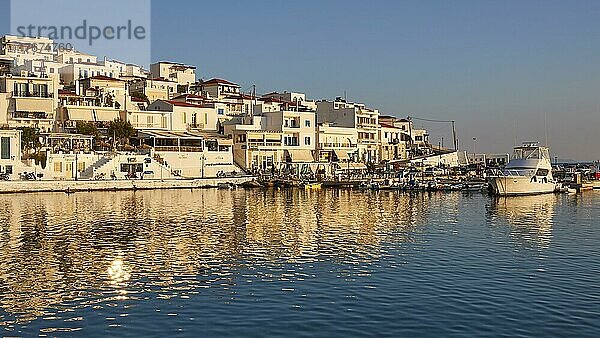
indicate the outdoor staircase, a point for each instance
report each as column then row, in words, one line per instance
column 88, row 173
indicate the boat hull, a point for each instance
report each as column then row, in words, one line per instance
column 520, row 185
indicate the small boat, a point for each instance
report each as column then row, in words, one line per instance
column 313, row 185
column 226, row 185
column 529, row 172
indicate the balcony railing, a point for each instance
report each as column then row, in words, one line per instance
column 32, row 115
column 175, row 148
column 335, row 145
column 31, row 94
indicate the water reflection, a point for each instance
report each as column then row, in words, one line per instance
column 531, row 218
column 63, row 252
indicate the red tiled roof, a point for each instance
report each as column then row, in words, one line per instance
column 186, row 96
column 239, row 96
column 272, row 99
column 185, row 104
column 62, row 92
column 159, row 79
column 220, row 81
column 88, row 63
column 104, row 78
column 388, row 125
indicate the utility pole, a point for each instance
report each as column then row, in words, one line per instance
column 410, row 138
column 454, row 135
column 253, row 99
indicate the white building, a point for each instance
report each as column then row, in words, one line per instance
column 187, row 116
column 21, row 48
column 70, row 73
column 154, row 88
column 69, row 56
column 183, row 75
column 336, row 144
column 293, row 97
column 40, row 68
column 394, row 142
column 28, row 102
column 10, row 151
column 354, row 115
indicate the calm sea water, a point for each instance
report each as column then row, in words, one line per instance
column 299, row 263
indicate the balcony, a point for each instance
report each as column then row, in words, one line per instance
column 195, row 126
column 334, row 145
column 178, row 149
column 20, row 115
column 43, row 95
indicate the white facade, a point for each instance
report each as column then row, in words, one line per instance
column 336, row 143
column 28, row 102
column 10, row 151
column 183, row 75
column 154, row 89
column 187, row 116
column 77, row 71
column 354, row 115
column 40, row 68
column 21, row 49
column 69, row 56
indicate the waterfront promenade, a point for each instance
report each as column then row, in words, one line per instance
column 116, row 185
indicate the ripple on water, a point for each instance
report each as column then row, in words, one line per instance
column 294, row 262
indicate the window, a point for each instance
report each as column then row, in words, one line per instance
column 21, row 89
column 58, row 167
column 5, row 145
column 221, row 111
column 307, row 140
column 8, row 169
column 40, row 90
column 307, row 123
column 80, row 166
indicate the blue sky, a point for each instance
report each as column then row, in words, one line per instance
column 489, row 65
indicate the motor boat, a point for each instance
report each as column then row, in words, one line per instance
column 529, row 172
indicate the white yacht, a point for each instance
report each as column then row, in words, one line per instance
column 529, row 172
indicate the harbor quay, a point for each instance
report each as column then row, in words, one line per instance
column 118, row 185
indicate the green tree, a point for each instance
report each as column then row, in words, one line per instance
column 31, row 145
column 30, row 139
column 87, row 128
column 121, row 130
column 140, row 95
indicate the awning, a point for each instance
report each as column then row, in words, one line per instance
column 272, row 137
column 344, row 154
column 106, row 115
column 352, row 166
column 225, row 141
column 75, row 114
column 33, row 104
column 301, row 155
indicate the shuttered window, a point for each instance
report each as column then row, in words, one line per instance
column 5, row 145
